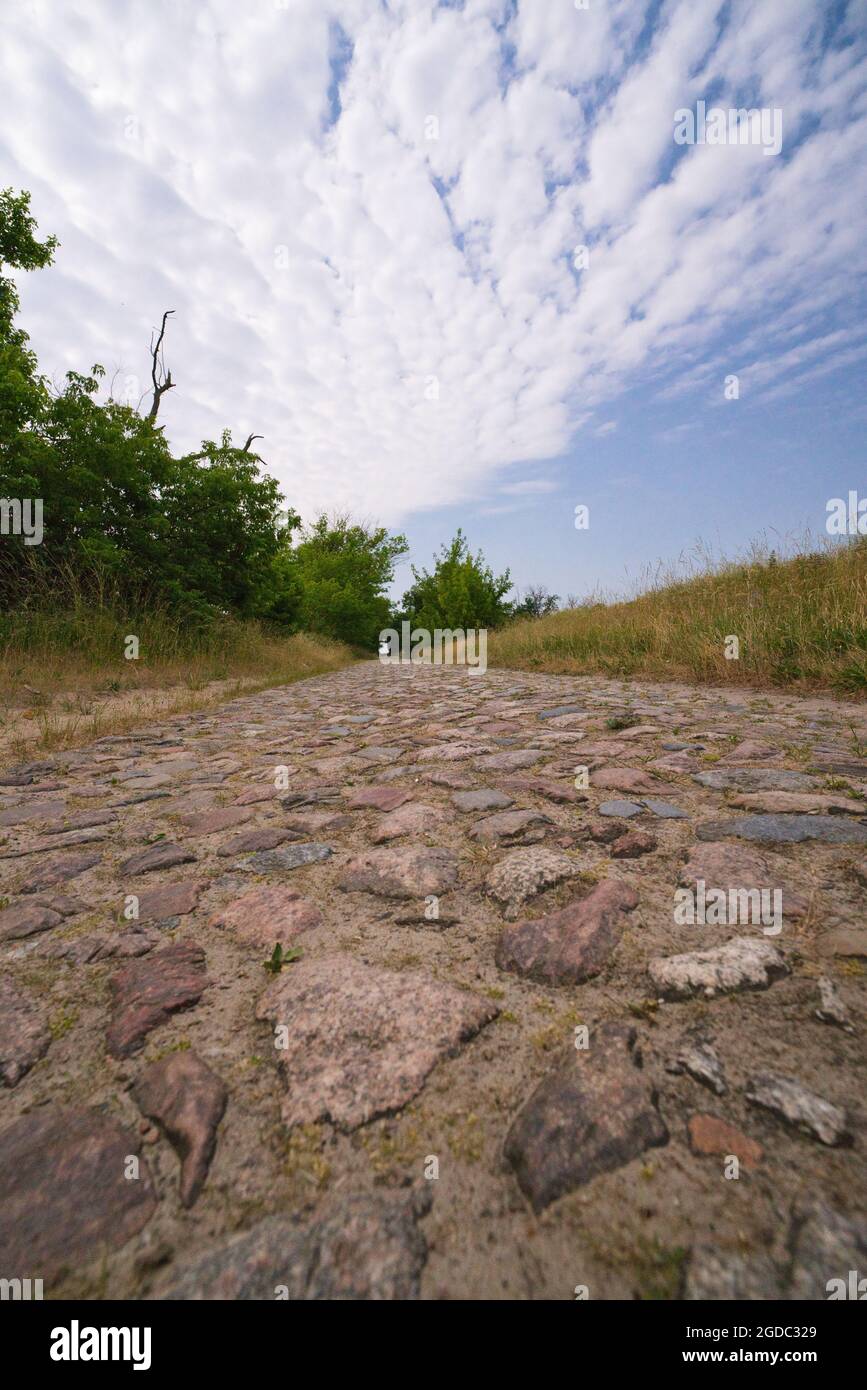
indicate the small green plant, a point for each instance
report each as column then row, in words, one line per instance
column 279, row 958
column 61, row 1021
column 182, row 1045
column 620, row 721
column 839, row 784
column 645, row 1009
column 858, row 744
column 659, row 1270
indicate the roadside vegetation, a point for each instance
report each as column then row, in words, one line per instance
column 800, row 622
column 64, row 677
column 106, row 536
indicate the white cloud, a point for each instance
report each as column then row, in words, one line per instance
column 529, row 487
column 400, row 315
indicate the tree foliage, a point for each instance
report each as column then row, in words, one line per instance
column 23, row 393
column 461, row 591
column 206, row 533
column 342, row 572
column 536, row 603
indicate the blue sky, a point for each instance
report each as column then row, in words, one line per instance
column 673, row 478
column 737, row 475
column 368, row 218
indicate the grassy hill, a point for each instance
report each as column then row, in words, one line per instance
column 800, row 622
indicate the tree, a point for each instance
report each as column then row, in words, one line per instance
column 205, row 532
column 341, row 571
column 23, row 392
column 101, row 470
column 225, row 531
column 20, row 250
column 462, row 591
column 537, row 602
column 162, row 379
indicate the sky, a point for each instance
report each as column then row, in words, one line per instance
column 454, row 262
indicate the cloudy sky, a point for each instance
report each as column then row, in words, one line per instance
column 451, row 262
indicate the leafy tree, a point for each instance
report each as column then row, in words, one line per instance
column 462, row 591
column 20, row 250
column 224, row 532
column 342, row 570
column 100, row 470
column 204, row 532
column 23, row 393
column 536, row 603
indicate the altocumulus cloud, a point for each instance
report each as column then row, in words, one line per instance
column 366, row 216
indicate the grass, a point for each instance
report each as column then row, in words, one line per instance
column 64, row 678
column 800, row 621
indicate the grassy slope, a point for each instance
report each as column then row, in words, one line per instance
column 64, row 678
column 801, row 622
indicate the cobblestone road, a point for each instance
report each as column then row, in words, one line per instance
column 506, row 1063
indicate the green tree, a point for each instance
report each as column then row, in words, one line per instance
column 205, row 532
column 462, row 591
column 342, row 570
column 23, row 392
column 101, row 469
column 536, row 603
column 225, row 531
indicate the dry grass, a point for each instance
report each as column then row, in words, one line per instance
column 801, row 622
column 64, row 679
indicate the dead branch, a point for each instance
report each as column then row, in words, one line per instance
column 161, row 379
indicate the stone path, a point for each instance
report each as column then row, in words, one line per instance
column 501, row 1060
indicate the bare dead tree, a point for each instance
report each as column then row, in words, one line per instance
column 161, row 379
column 162, row 382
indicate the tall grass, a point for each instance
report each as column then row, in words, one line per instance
column 83, row 650
column 801, row 622
column 65, row 678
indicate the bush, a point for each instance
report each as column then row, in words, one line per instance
column 462, row 591
column 341, row 571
